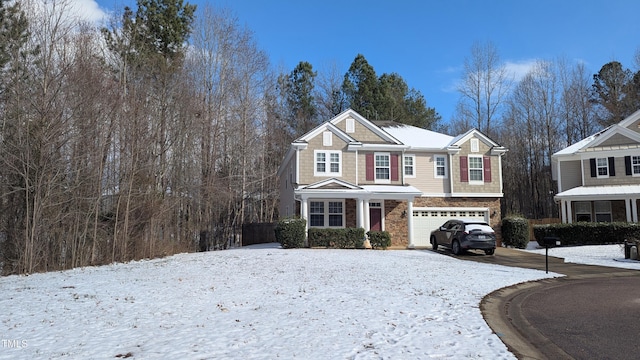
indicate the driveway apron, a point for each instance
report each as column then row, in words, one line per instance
column 593, row 312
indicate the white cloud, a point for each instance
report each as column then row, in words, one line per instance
column 519, row 69
column 87, row 10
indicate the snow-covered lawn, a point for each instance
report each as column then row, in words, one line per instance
column 603, row 255
column 259, row 303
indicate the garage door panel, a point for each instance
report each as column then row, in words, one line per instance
column 426, row 220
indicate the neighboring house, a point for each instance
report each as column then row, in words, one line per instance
column 352, row 172
column 599, row 177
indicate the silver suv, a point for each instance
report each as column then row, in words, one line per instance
column 460, row 235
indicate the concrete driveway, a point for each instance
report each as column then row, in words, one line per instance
column 591, row 313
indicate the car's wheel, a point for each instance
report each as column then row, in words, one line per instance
column 455, row 247
column 434, row 243
column 490, row 251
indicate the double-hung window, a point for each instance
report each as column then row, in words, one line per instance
column 328, row 163
column 410, row 166
column 602, row 167
column 382, row 167
column 325, row 213
column 635, row 165
column 475, row 169
column 440, row 167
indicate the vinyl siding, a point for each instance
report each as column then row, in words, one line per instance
column 570, row 174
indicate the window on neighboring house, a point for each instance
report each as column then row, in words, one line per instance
column 603, row 211
column 326, row 213
column 475, row 169
column 635, row 165
column 583, row 211
column 328, row 163
column 440, row 167
column 409, row 166
column 602, row 167
column 382, row 167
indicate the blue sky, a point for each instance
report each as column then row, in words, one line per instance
column 427, row 41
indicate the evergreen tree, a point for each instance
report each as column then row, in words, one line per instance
column 297, row 91
column 385, row 98
column 360, row 87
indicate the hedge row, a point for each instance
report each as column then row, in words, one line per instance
column 347, row 238
column 290, row 233
column 583, row 233
column 379, row 239
column 515, row 232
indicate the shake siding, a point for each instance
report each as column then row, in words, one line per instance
column 488, row 187
column 362, row 133
column 570, row 174
column 362, row 173
column 307, row 161
column 617, row 140
column 621, row 177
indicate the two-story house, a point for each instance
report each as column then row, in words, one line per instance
column 352, row 172
column 599, row 177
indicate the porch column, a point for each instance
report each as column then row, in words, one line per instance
column 360, row 213
column 627, row 205
column 367, row 221
column 304, row 205
column 410, row 223
column 569, row 214
column 634, row 209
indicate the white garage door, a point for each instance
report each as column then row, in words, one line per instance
column 426, row 220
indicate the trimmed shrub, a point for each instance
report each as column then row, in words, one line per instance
column 379, row 239
column 347, row 238
column 290, row 233
column 583, row 233
column 515, row 232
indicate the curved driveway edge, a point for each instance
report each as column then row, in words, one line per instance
column 575, row 316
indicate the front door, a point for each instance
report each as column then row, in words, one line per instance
column 375, row 217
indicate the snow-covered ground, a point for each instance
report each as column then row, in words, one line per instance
column 603, row 255
column 259, row 302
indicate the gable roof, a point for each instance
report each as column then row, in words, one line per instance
column 350, row 113
column 327, row 126
column 622, row 128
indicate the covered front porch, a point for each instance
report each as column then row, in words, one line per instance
column 339, row 204
column 599, row 203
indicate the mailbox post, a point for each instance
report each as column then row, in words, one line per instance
column 547, row 242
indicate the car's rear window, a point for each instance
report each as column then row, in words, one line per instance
column 483, row 227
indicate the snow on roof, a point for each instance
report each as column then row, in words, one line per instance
column 417, row 138
column 601, row 191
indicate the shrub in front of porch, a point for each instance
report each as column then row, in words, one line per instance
column 584, row 233
column 379, row 239
column 347, row 238
column 290, row 233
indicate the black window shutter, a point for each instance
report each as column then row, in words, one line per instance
column 627, row 164
column 592, row 162
column 612, row 166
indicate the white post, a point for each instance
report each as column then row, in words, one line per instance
column 634, row 209
column 627, row 203
column 569, row 213
column 360, row 214
column 304, row 205
column 410, row 223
